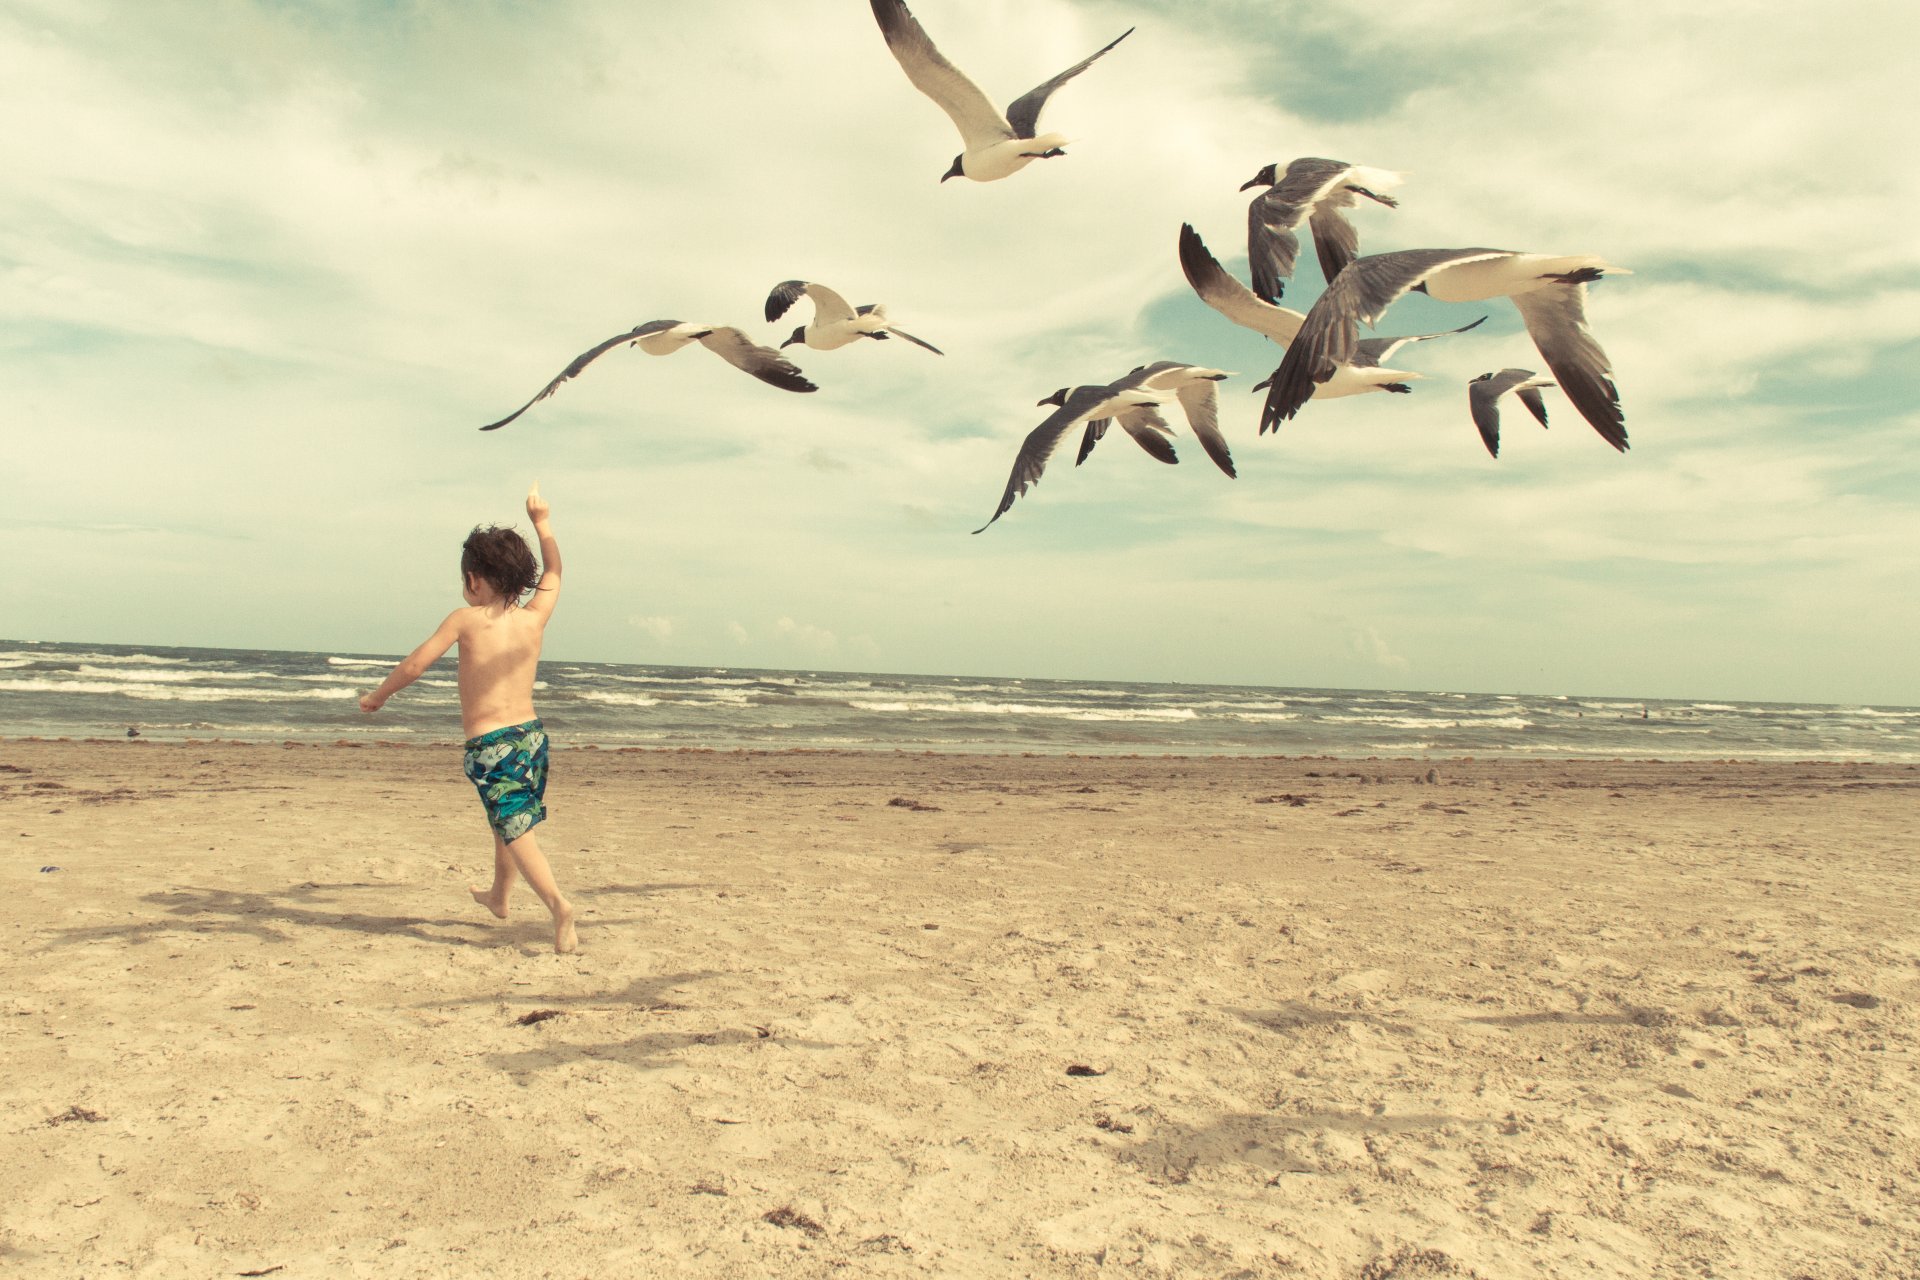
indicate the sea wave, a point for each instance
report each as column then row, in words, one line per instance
column 1028, row 709
column 1432, row 722
column 91, row 671
column 359, row 662
column 173, row 693
column 605, row 698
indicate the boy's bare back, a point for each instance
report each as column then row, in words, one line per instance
column 499, row 642
column 499, row 654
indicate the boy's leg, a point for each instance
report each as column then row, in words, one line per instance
column 532, row 864
column 495, row 898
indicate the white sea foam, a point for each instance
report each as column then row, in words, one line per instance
column 1432, row 722
column 604, row 698
column 359, row 662
column 172, row 693
column 1030, row 709
column 166, row 677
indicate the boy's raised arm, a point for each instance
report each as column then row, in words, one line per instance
column 548, row 592
column 415, row 664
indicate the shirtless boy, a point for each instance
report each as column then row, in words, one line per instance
column 499, row 641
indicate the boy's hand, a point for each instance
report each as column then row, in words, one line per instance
column 537, row 508
column 370, row 704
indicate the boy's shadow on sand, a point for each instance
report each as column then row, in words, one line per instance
column 305, row 906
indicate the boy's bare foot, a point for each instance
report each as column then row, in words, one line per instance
column 565, row 940
column 486, row 899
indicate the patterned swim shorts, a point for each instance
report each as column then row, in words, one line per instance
column 509, row 767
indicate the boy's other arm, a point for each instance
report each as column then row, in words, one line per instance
column 547, row 594
column 415, row 664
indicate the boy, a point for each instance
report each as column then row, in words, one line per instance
column 499, row 643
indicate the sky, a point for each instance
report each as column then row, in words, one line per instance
column 266, row 265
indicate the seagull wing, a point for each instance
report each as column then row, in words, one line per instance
column 1530, row 397
column 1556, row 318
column 764, row 363
column 898, row 332
column 580, row 362
column 1149, row 430
column 1228, row 296
column 1371, row 353
column 972, row 112
column 1095, row 432
column 1201, row 401
column 1272, row 245
column 1330, row 336
column 1334, row 238
column 784, row 295
column 1041, row 442
column 1024, row 112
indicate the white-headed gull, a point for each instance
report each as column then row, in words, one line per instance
column 1236, row 302
column 1314, row 191
column 835, row 323
column 996, row 145
column 1549, row 290
column 1483, row 397
column 664, row 337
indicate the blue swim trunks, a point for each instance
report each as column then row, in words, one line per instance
column 509, row 767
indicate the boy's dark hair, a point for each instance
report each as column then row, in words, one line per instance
column 500, row 557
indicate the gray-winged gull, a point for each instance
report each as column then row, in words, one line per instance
column 996, row 145
column 1314, row 191
column 1483, row 397
column 835, row 322
column 664, row 337
column 1076, row 405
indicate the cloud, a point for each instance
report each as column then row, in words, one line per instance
column 806, row 636
column 659, row 629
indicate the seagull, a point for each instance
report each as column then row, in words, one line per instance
column 996, row 144
column 834, row 324
column 1237, row 303
column 1314, row 191
column 1194, row 385
column 1483, row 396
column 1549, row 291
column 664, row 337
column 1076, row 405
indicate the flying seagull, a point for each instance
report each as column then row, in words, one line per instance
column 996, row 144
column 1194, row 385
column 1076, row 405
column 1549, row 291
column 1313, row 191
column 834, row 323
column 1237, row 303
column 1483, row 396
column 664, row 337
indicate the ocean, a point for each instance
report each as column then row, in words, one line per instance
column 102, row 690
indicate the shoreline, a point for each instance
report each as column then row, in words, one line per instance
column 898, row 1014
column 1487, row 757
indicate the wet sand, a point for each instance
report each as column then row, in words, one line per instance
column 902, row 1015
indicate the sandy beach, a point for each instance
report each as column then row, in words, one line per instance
column 892, row 1015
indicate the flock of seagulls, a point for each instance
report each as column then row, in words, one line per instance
column 1324, row 356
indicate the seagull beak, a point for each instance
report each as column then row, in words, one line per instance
column 1253, row 182
column 956, row 172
